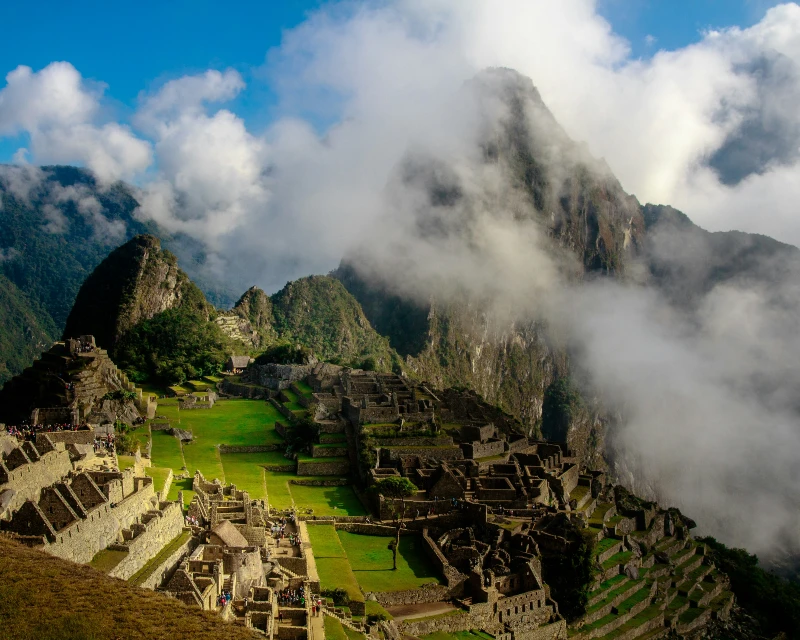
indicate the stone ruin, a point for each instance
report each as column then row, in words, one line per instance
column 74, row 382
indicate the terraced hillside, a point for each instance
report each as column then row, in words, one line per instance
column 648, row 584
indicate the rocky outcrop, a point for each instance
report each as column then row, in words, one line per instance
column 134, row 283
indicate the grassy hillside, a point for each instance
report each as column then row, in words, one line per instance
column 321, row 314
column 45, row 598
column 24, row 330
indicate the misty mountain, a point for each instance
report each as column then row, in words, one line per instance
column 56, row 225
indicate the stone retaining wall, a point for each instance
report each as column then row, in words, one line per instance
column 314, row 468
column 328, row 482
column 164, row 570
column 245, row 390
column 85, row 538
column 152, row 537
column 425, row 593
column 454, row 453
column 413, row 441
column 69, row 437
column 371, row 529
column 261, row 448
column 329, row 452
column 286, row 413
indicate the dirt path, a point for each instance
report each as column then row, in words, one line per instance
column 409, row 611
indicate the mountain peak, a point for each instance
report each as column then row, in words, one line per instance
column 135, row 282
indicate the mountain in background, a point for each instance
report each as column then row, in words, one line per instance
column 159, row 327
column 56, row 225
column 56, row 232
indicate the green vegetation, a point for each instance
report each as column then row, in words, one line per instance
column 24, row 329
column 166, row 451
column 107, row 559
column 334, row 629
column 325, row 541
column 159, row 476
column 172, row 347
column 147, row 570
column 561, row 403
column 335, row 573
column 371, row 562
column 319, row 313
column 327, row 501
column 83, row 604
column 569, row 575
column 125, row 462
column 773, row 601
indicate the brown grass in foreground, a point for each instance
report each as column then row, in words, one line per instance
column 45, row 598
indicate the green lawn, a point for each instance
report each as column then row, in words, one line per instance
column 334, row 629
column 142, row 436
column 305, row 388
column 203, row 455
column 335, row 573
column 278, row 488
column 327, row 501
column 294, row 406
column 125, row 462
column 371, row 561
column 184, row 485
column 325, row 541
column 159, row 476
column 233, row 422
column 246, row 471
column 290, row 395
column 107, row 559
column 166, row 451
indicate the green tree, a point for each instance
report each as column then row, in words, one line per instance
column 561, row 403
column 396, row 488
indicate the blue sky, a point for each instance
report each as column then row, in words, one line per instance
column 133, row 46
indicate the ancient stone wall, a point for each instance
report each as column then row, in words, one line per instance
column 244, row 390
column 276, row 376
column 318, row 451
column 414, row 441
column 286, row 413
column 165, row 570
column 454, row 453
column 314, row 468
column 484, row 449
column 68, row 437
column 450, row 573
column 423, row 594
column 321, row 482
column 28, row 480
column 149, row 539
column 261, row 448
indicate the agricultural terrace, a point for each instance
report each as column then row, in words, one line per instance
column 360, row 563
column 265, row 475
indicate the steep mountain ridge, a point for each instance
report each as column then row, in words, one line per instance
column 134, row 283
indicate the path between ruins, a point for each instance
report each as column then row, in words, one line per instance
column 410, row 611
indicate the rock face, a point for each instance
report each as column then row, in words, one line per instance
column 578, row 204
column 135, row 282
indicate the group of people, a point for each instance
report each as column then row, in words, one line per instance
column 279, row 531
column 104, row 443
column 192, row 521
column 224, row 598
column 28, row 431
column 292, row 597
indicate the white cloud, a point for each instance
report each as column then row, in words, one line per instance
column 60, row 112
column 704, row 128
